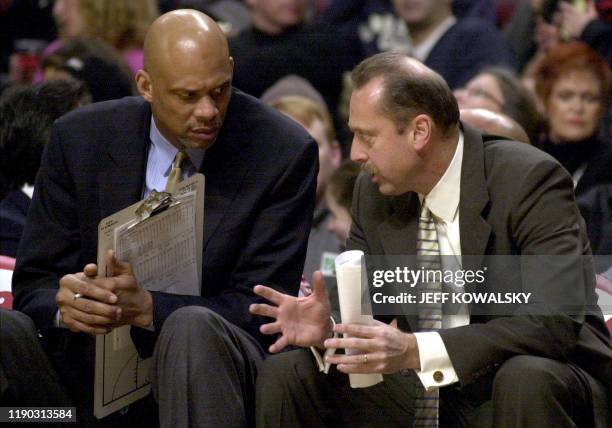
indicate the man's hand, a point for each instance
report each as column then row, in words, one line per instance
column 84, row 306
column 134, row 302
column 547, row 35
column 574, row 20
column 603, row 283
column 381, row 348
column 302, row 321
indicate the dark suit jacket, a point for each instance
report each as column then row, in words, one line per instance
column 260, row 186
column 13, row 212
column 466, row 48
column 515, row 200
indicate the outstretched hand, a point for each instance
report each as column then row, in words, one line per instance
column 301, row 321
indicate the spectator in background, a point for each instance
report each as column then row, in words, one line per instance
column 339, row 198
column 281, row 43
column 378, row 28
column 538, row 25
column 499, row 90
column 572, row 82
column 456, row 48
column 592, row 25
column 231, row 15
column 322, row 244
column 93, row 62
column 493, row 123
column 26, row 117
column 120, row 23
column 292, row 85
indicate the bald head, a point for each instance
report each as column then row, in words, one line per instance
column 187, row 77
column 181, row 34
column 494, row 123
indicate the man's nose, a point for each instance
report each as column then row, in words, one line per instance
column 206, row 108
column 357, row 154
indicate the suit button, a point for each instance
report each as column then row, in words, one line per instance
column 438, row 376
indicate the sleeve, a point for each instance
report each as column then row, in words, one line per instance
column 545, row 227
column 320, row 360
column 436, row 367
column 50, row 245
column 597, row 34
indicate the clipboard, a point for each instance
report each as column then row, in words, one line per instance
column 162, row 237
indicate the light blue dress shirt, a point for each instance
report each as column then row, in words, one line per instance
column 159, row 161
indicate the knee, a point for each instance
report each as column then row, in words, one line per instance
column 191, row 318
column 16, row 327
column 530, row 378
column 281, row 371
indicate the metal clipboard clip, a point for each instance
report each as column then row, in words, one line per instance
column 155, row 203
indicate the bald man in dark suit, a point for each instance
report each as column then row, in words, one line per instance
column 260, row 173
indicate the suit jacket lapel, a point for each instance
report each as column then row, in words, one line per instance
column 225, row 168
column 122, row 176
column 473, row 227
column 398, row 235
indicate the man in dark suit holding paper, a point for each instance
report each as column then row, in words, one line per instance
column 260, row 173
column 493, row 204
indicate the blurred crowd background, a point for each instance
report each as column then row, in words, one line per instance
column 537, row 71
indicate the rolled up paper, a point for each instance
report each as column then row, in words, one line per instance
column 349, row 277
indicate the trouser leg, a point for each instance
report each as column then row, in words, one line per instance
column 292, row 392
column 203, row 371
column 530, row 391
column 26, row 375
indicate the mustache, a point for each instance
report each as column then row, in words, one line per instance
column 369, row 169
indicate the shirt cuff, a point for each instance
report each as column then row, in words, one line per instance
column 323, row 366
column 436, row 367
column 150, row 327
column 58, row 320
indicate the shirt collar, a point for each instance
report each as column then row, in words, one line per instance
column 168, row 151
column 422, row 50
column 443, row 199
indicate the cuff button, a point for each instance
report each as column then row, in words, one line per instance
column 438, row 376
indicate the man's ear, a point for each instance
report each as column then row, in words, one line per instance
column 143, row 83
column 421, row 130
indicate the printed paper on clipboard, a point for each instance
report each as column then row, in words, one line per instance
column 165, row 251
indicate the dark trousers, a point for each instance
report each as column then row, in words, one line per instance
column 26, row 376
column 203, row 374
column 526, row 391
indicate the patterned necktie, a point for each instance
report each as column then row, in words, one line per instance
column 176, row 174
column 429, row 314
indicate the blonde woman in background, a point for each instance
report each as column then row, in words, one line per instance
column 120, row 23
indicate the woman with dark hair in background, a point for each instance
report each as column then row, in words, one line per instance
column 499, row 90
column 573, row 84
column 26, row 117
column 95, row 63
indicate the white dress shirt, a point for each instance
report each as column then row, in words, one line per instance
column 443, row 202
